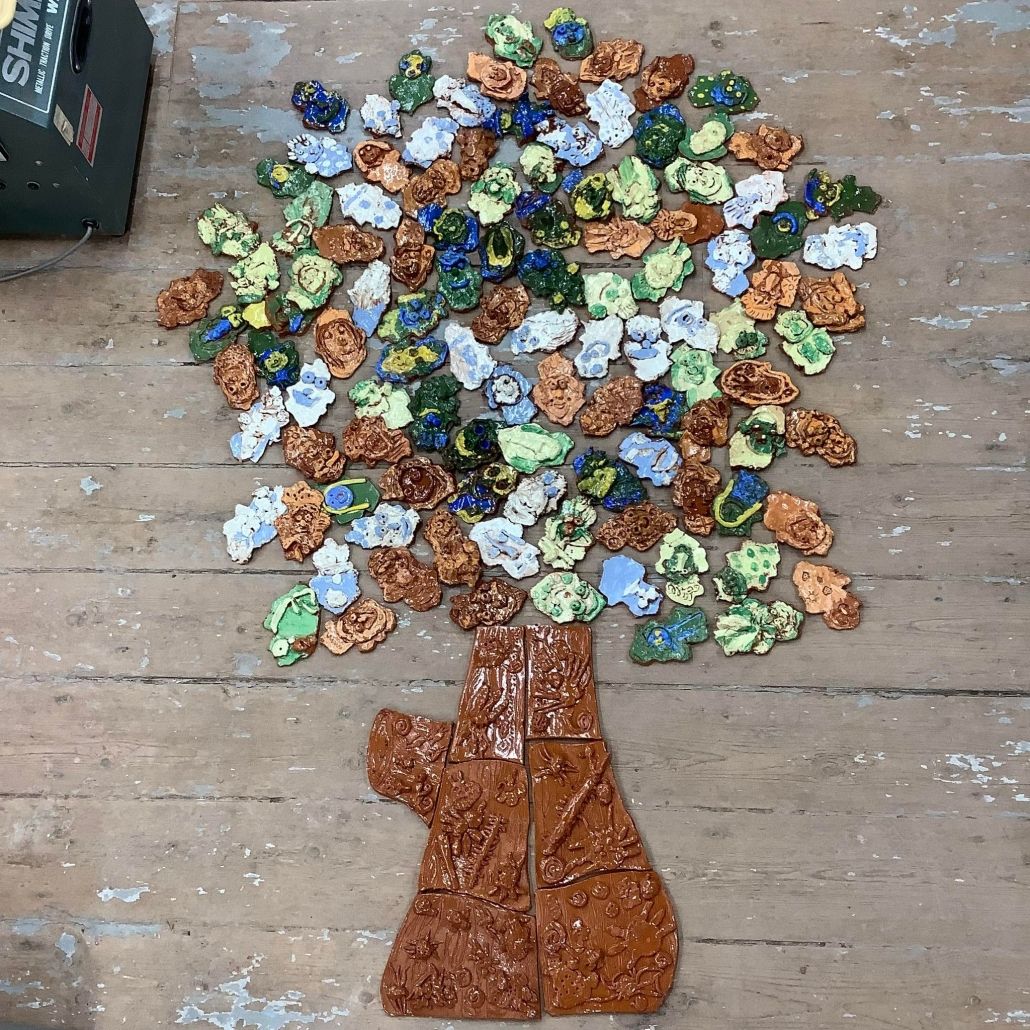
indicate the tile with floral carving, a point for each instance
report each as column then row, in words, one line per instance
column 479, row 838
column 607, row 944
column 492, row 711
column 456, row 957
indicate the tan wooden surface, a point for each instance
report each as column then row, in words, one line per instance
column 186, row 832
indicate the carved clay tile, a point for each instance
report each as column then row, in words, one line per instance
column 831, row 302
column 663, row 79
column 502, row 310
column 823, row 591
column 476, row 145
column 607, row 944
column 770, row 147
column 816, row 432
column 580, row 824
column 773, row 286
column 639, row 526
column 459, row 958
column 371, row 441
column 693, row 490
column 797, row 522
column 479, row 840
column 498, row 79
column 313, row 453
column 621, row 237
column 492, row 712
column 380, row 163
column 363, row 624
column 185, row 300
column 691, row 223
column 846, row 614
column 616, row 59
column 433, row 186
column 339, row 342
column 457, row 557
column 419, row 482
column 559, row 393
column 491, row 602
column 405, row 759
column 402, row 577
column 613, row 404
column 562, row 697
column 706, row 424
column 347, row 244
column 755, row 383
column 412, row 258
column 608, row 940
column 235, row 375
column 302, row 527
column 557, row 88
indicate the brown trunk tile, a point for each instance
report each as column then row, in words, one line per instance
column 467, row 950
column 478, row 843
column 607, row 944
column 580, row 824
column 405, row 759
column 492, row 710
column 459, row 958
column 560, row 679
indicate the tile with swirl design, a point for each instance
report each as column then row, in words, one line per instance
column 580, row 824
column 405, row 759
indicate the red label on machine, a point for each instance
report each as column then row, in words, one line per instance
column 89, row 125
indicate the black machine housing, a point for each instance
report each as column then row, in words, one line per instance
column 74, row 78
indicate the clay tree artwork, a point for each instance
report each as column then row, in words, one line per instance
column 587, row 926
column 478, row 421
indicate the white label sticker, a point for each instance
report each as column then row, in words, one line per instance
column 63, row 126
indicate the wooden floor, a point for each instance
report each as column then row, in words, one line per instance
column 186, row 832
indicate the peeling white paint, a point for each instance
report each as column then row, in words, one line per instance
column 1004, row 16
column 129, row 895
column 222, row 71
column 161, row 19
column 985, row 771
column 944, row 322
column 238, row 1008
column 66, row 944
column 10, row 988
column 897, row 531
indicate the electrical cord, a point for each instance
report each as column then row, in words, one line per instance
column 43, row 265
